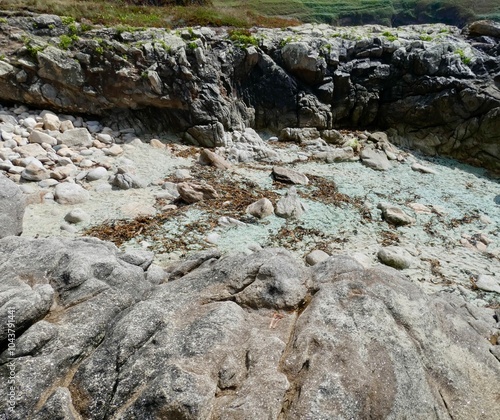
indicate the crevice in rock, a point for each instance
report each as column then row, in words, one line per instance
column 445, row 404
column 68, row 377
column 295, row 381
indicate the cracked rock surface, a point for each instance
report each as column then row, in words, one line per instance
column 237, row 336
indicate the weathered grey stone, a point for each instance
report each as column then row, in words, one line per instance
column 97, row 173
column 125, row 181
column 375, row 159
column 211, row 135
column 12, row 205
column 290, row 206
column 207, row 157
column 488, row 283
column 76, row 137
column 256, row 336
column 39, row 137
column 316, row 256
column 283, row 174
column 394, row 215
column 77, row 216
column 261, row 208
column 191, row 193
column 395, row 257
column 299, row 135
column 34, row 172
column 417, row 167
column 304, row 62
column 68, row 193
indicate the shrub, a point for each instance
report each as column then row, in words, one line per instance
column 242, row 37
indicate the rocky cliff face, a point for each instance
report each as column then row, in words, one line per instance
column 431, row 87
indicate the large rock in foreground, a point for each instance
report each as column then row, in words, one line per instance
column 12, row 206
column 236, row 337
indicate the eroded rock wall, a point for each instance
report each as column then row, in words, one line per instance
column 431, row 86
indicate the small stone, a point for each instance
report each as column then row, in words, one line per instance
column 34, row 172
column 488, row 283
column 86, row 163
column 126, row 181
column 316, row 257
column 395, row 257
column 207, row 157
column 105, row 138
column 192, row 193
column 68, row 228
column 394, row 215
column 39, row 137
column 76, row 216
column 157, row 144
column 283, row 174
column 290, row 206
column 97, row 173
column 114, row 150
column 76, row 137
column 51, row 121
column 66, row 125
column 375, row 159
column 171, row 188
column 378, row 137
column 226, row 221
column 212, row 238
column 417, row 167
column 261, row 208
column 68, row 193
column 47, row 183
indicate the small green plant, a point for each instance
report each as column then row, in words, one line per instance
column 67, row 20
column 192, row 45
column 73, row 29
column 33, row 50
column 390, row 36
column 242, row 37
column 463, row 56
column 144, row 75
column 425, row 37
column 85, row 27
column 444, row 31
column 66, row 41
column 2, row 57
column 99, row 50
column 52, row 26
column 3, row 20
column 286, row 40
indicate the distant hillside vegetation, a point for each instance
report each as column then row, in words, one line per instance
column 270, row 13
column 387, row 12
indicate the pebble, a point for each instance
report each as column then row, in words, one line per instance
column 69, row 193
column 316, row 257
column 97, row 173
column 212, row 238
column 423, row 169
column 395, row 257
column 488, row 283
column 261, row 208
column 76, row 216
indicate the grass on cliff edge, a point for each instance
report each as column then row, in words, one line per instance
column 268, row 13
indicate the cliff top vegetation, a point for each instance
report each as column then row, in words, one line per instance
column 270, row 13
